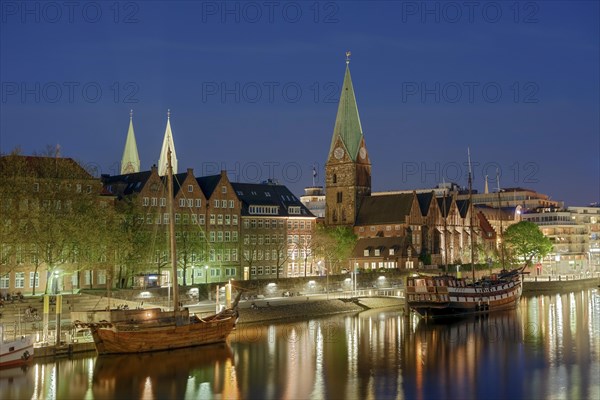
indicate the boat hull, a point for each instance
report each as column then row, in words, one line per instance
column 446, row 296
column 116, row 339
column 16, row 352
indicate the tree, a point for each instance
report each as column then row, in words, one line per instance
column 526, row 241
column 55, row 214
column 334, row 245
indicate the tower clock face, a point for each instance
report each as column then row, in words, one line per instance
column 363, row 153
column 338, row 153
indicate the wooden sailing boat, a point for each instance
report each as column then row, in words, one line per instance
column 449, row 296
column 145, row 330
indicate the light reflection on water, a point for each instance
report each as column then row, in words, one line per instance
column 548, row 348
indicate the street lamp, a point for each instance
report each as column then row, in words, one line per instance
column 192, row 275
column 206, row 273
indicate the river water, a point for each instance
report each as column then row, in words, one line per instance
column 549, row 348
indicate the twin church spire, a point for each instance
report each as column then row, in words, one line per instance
column 130, row 163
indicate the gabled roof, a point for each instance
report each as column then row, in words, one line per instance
column 463, row 207
column 448, row 204
column 347, row 122
column 399, row 243
column 486, row 227
column 178, row 180
column 208, row 184
column 386, row 209
column 268, row 194
column 43, row 167
column 424, row 200
column 127, row 183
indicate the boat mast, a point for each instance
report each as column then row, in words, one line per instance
column 445, row 215
column 500, row 215
column 472, row 209
column 172, row 232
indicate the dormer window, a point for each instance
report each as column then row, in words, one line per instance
column 294, row 210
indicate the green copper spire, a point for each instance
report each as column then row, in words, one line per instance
column 347, row 123
column 130, row 162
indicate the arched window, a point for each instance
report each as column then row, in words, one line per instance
column 334, row 178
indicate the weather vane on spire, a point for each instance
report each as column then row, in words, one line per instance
column 169, row 113
column 131, row 114
column 348, row 54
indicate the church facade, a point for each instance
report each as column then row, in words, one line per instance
column 394, row 230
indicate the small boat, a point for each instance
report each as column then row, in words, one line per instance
column 448, row 296
column 124, row 331
column 17, row 351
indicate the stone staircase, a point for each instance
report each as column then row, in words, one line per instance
column 13, row 314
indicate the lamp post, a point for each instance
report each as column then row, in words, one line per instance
column 206, row 273
column 55, row 282
column 192, row 275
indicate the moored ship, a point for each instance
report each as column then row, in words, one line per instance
column 145, row 330
column 448, row 296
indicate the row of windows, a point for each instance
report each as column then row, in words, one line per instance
column 34, row 279
column 265, row 270
column 263, row 223
column 223, row 236
column 271, row 210
column 224, row 203
column 295, row 224
column 296, row 253
column 78, row 187
column 263, row 239
column 155, row 201
column 377, row 252
column 223, row 255
column 262, row 255
column 223, row 219
column 194, row 219
column 214, row 272
column 299, row 239
column 388, row 228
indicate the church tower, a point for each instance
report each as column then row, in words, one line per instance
column 348, row 168
column 130, row 162
column 168, row 143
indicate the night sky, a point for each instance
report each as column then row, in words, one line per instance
column 253, row 87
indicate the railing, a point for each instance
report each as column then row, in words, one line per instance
column 387, row 292
column 561, row 277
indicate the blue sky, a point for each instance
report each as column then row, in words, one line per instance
column 253, row 87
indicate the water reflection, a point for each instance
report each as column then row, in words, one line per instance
column 166, row 375
column 548, row 348
column 473, row 358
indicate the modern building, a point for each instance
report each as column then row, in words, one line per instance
column 314, row 200
column 590, row 218
column 569, row 237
